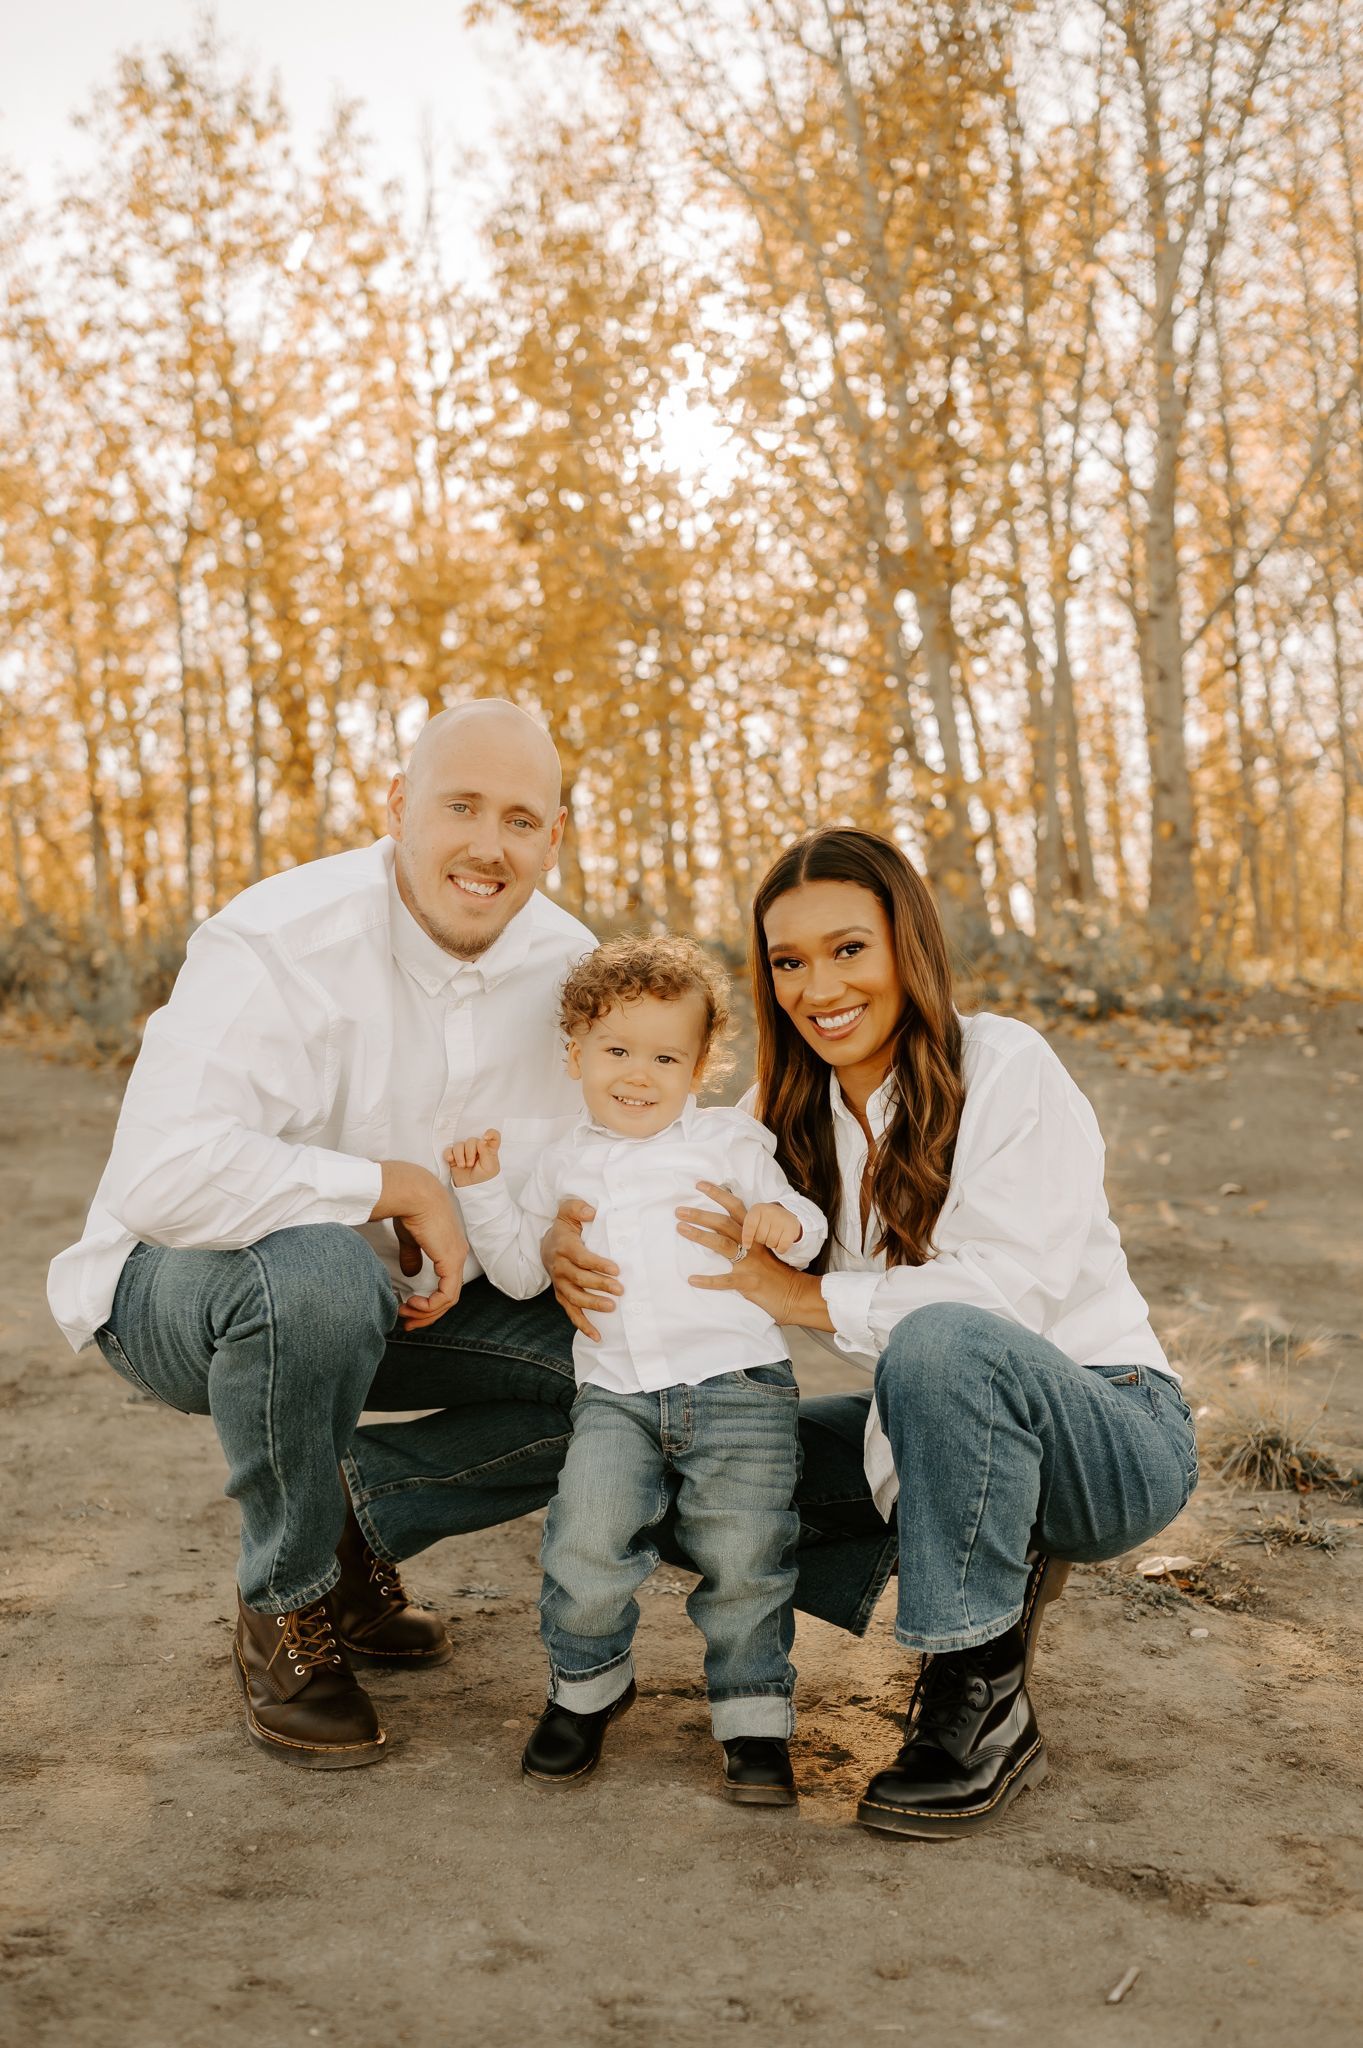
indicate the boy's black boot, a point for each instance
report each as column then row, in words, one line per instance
column 567, row 1746
column 757, row 1771
column 971, row 1745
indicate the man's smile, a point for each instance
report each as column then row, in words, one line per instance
column 473, row 885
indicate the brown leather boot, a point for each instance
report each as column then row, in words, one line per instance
column 303, row 1701
column 375, row 1620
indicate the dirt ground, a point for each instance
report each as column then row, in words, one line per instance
column 1203, row 1820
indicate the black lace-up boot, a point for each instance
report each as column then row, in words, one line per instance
column 971, row 1744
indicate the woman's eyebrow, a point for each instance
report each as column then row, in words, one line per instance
column 848, row 931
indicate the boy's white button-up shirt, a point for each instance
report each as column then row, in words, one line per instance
column 662, row 1332
column 1024, row 1232
column 314, row 1030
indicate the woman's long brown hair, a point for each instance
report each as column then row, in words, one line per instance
column 912, row 1170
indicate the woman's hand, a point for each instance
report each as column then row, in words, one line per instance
column 583, row 1282
column 756, row 1274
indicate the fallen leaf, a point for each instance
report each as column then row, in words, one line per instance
column 1231, row 1187
column 1162, row 1567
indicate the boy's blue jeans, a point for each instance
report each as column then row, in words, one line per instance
column 724, row 1458
column 1001, row 1442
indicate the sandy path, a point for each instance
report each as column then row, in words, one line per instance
column 1203, row 1818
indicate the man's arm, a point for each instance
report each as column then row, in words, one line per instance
column 242, row 1054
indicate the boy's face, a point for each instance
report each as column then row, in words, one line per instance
column 639, row 1062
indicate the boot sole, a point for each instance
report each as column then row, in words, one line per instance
column 303, row 1755
column 928, row 1826
column 359, row 1654
column 618, row 1710
column 761, row 1795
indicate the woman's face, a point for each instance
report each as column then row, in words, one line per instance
column 831, row 954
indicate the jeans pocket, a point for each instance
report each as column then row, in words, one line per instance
column 114, row 1354
column 771, row 1379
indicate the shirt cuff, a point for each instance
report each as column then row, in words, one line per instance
column 351, row 1186
column 848, row 1298
column 486, row 1198
column 813, row 1231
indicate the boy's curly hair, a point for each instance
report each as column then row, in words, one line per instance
column 664, row 966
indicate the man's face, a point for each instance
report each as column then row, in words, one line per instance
column 476, row 826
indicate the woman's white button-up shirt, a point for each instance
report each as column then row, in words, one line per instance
column 1024, row 1231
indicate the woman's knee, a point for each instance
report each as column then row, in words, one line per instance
column 943, row 1342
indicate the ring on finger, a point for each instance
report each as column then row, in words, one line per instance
column 741, row 1253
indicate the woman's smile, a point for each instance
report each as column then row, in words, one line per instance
column 835, row 974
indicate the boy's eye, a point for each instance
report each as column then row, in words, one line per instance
column 616, row 1052
column 666, row 1059
column 524, row 824
column 456, row 805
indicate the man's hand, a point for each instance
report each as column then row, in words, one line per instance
column 474, row 1160
column 424, row 1218
column 583, row 1283
column 767, row 1223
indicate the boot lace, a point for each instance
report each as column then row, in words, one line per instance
column 947, row 1691
column 387, row 1580
column 308, row 1637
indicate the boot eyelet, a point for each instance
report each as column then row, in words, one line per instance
column 280, row 1620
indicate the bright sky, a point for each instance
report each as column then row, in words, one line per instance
column 411, row 62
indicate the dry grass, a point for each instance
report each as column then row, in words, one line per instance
column 1255, row 1430
column 1294, row 1528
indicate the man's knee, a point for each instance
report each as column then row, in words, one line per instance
column 324, row 1289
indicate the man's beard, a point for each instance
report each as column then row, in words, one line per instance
column 459, row 944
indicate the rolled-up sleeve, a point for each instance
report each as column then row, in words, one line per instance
column 241, row 1057
column 1012, row 1236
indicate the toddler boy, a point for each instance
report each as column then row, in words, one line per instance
column 686, row 1387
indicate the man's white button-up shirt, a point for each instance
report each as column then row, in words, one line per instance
column 1024, row 1231
column 314, row 1030
column 662, row 1332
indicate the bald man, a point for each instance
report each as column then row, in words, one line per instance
column 274, row 1241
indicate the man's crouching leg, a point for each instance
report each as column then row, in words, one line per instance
column 279, row 1343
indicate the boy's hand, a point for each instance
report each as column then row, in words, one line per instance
column 767, row 1223
column 473, row 1160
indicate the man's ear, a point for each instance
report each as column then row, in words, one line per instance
column 397, row 805
column 555, row 841
column 573, row 1060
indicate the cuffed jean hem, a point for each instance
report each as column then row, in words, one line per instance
column 756, row 1714
column 591, row 1695
column 969, row 1639
column 289, row 1603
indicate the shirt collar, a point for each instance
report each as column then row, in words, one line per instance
column 681, row 1126
column 878, row 1107
column 433, row 969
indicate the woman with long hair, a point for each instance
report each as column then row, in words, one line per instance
column 1021, row 1408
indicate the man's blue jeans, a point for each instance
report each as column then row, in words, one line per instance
column 723, row 1457
column 287, row 1342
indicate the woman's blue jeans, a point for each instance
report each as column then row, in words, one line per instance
column 723, row 1458
column 1001, row 1442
